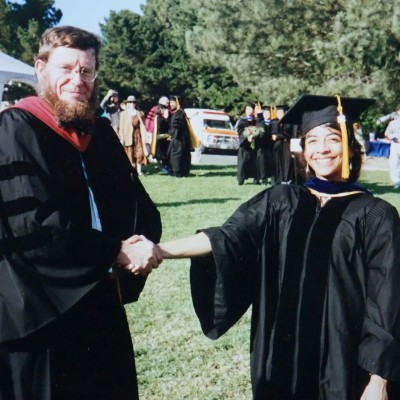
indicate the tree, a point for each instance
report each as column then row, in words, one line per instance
column 278, row 49
column 5, row 33
column 268, row 47
column 147, row 55
column 362, row 56
column 28, row 21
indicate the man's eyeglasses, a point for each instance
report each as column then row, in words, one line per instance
column 87, row 74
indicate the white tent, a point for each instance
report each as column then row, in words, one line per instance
column 15, row 70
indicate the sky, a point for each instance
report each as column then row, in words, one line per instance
column 88, row 14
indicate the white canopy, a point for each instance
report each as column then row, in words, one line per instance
column 15, row 70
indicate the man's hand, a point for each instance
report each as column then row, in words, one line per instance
column 376, row 389
column 139, row 255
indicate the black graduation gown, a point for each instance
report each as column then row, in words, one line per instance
column 283, row 161
column 246, row 167
column 323, row 285
column 263, row 148
column 63, row 329
column 162, row 144
column 180, row 146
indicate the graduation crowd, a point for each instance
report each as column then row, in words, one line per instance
column 164, row 133
column 264, row 154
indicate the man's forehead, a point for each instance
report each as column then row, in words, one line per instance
column 69, row 54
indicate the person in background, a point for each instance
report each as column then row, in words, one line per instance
column 318, row 263
column 393, row 134
column 284, row 168
column 71, row 206
column 161, row 136
column 112, row 108
column 130, row 134
column 163, row 102
column 180, row 144
column 358, row 134
column 245, row 128
column 263, row 147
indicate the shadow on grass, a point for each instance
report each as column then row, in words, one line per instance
column 378, row 188
column 214, row 170
column 199, row 170
column 197, row 201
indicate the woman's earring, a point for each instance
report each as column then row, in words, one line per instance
column 307, row 168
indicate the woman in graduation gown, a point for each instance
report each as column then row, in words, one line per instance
column 320, row 266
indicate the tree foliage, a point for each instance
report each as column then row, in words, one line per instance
column 5, row 31
column 147, row 55
column 25, row 23
column 280, row 49
column 221, row 54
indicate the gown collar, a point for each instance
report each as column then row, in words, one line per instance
column 334, row 188
column 72, row 134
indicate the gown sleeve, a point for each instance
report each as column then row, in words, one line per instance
column 379, row 350
column 223, row 284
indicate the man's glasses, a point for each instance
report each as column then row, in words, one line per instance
column 87, row 74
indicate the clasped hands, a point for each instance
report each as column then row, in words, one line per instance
column 139, row 255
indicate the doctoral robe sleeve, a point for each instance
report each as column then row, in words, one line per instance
column 379, row 351
column 223, row 284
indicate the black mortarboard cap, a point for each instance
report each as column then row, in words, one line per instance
column 310, row 110
column 282, row 107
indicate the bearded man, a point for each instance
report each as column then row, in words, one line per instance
column 71, row 209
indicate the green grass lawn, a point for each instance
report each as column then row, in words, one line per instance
column 174, row 359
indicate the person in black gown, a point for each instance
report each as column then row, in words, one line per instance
column 180, row 143
column 263, row 147
column 245, row 127
column 318, row 263
column 283, row 161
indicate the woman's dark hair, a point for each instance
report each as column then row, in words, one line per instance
column 354, row 148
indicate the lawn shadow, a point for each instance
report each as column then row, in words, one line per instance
column 378, row 188
column 214, row 170
column 197, row 201
column 198, row 170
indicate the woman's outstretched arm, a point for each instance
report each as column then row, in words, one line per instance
column 192, row 246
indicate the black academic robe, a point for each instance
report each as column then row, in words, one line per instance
column 283, row 161
column 180, row 146
column 63, row 329
column 246, row 158
column 264, row 154
column 162, row 127
column 323, row 286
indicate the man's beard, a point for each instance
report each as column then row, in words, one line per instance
column 64, row 112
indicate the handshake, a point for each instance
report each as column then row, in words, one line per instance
column 139, row 255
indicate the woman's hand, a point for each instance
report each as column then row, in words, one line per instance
column 139, row 255
column 376, row 389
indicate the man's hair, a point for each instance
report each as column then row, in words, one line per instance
column 67, row 36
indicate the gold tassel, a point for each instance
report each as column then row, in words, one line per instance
column 258, row 105
column 345, row 140
column 274, row 113
column 178, row 106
